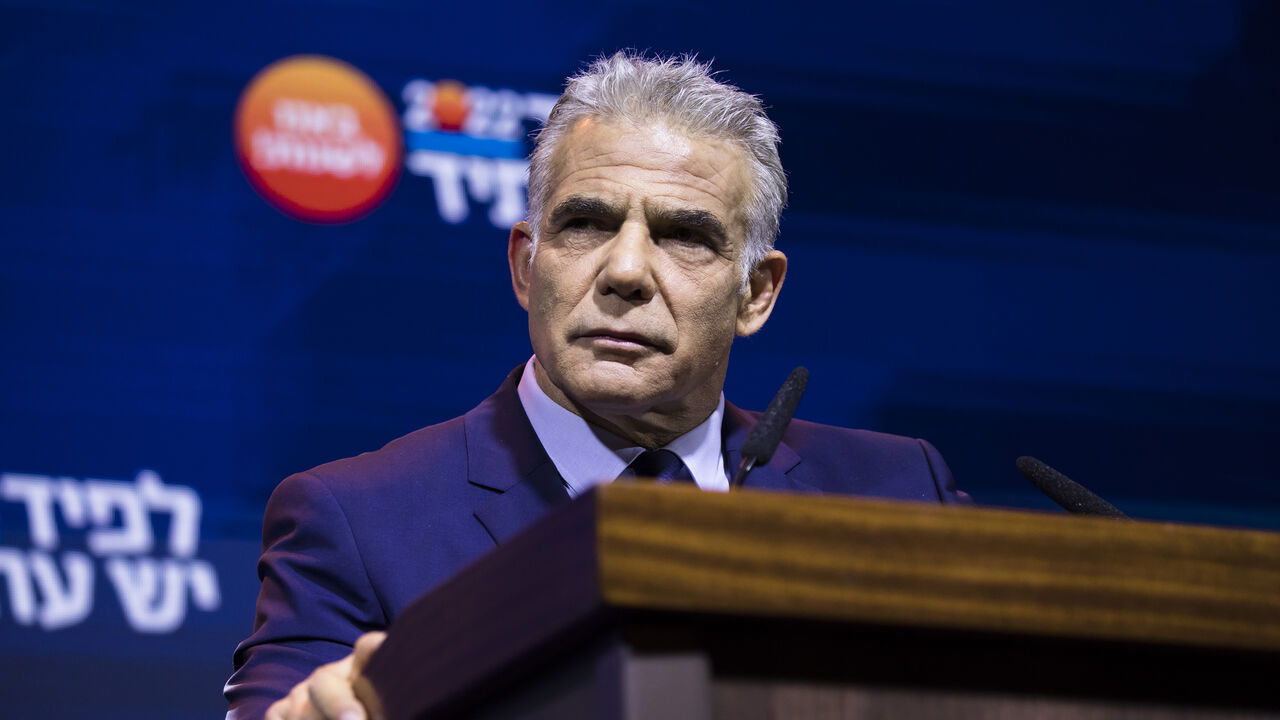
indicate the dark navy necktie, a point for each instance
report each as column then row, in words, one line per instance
column 661, row 465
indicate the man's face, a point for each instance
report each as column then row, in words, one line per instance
column 634, row 292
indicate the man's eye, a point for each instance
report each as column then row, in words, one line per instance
column 685, row 236
column 581, row 223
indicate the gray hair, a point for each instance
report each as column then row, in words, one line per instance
column 681, row 92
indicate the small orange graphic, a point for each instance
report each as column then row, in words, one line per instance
column 318, row 139
column 450, row 107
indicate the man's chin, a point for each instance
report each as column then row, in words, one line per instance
column 612, row 398
column 607, row 387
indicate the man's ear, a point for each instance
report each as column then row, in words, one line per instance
column 762, row 292
column 519, row 255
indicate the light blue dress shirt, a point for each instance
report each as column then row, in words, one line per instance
column 587, row 456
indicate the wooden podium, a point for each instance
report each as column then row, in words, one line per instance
column 642, row 602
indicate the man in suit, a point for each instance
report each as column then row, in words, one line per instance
column 655, row 194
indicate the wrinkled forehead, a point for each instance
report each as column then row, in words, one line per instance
column 597, row 152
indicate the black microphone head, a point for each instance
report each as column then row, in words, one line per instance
column 1061, row 489
column 767, row 433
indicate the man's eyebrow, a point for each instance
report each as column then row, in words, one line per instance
column 576, row 205
column 701, row 220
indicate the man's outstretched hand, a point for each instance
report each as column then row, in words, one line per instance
column 327, row 693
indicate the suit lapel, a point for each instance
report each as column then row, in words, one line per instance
column 509, row 513
column 782, row 472
column 504, row 455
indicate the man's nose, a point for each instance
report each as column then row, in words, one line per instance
column 628, row 264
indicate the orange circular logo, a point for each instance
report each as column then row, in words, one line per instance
column 318, row 139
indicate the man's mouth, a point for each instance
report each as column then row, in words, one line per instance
column 623, row 340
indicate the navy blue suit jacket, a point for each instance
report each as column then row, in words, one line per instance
column 347, row 545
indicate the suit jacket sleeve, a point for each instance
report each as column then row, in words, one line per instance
column 942, row 478
column 316, row 597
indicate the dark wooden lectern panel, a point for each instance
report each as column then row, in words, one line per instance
column 788, row 602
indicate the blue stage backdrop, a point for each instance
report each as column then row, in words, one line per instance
column 1016, row 228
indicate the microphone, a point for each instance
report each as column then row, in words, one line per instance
column 765, row 436
column 1063, row 490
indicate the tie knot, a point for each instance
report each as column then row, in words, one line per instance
column 661, row 465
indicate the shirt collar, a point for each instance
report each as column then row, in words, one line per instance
column 586, row 455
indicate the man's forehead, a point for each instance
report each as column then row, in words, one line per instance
column 671, row 169
column 652, row 132
column 592, row 135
